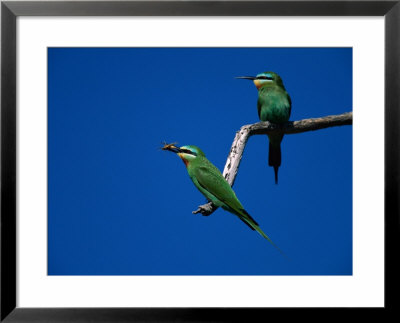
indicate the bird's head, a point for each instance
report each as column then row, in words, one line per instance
column 264, row 79
column 186, row 153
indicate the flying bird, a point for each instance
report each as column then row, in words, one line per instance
column 210, row 182
column 273, row 105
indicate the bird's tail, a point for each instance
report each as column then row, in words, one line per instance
column 254, row 225
column 274, row 157
column 258, row 229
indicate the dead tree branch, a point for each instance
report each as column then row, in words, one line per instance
column 264, row 128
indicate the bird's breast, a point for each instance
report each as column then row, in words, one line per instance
column 273, row 106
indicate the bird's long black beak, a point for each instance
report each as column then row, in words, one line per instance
column 246, row 77
column 174, row 149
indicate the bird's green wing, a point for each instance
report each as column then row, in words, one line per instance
column 210, row 179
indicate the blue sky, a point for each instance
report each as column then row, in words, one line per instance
column 118, row 205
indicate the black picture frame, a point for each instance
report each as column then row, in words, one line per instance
column 10, row 10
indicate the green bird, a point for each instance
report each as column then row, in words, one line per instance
column 210, row 182
column 273, row 105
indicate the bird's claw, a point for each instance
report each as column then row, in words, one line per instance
column 205, row 209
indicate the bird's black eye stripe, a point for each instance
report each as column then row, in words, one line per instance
column 264, row 78
column 187, row 151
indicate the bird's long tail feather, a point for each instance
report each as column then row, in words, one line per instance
column 274, row 158
column 254, row 225
column 257, row 228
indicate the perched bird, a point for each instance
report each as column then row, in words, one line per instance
column 273, row 105
column 210, row 182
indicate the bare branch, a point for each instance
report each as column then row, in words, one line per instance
column 264, row 128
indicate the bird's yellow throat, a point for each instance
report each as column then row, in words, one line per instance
column 257, row 83
column 185, row 161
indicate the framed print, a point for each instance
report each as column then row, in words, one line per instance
column 101, row 99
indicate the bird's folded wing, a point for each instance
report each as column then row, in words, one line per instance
column 212, row 180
